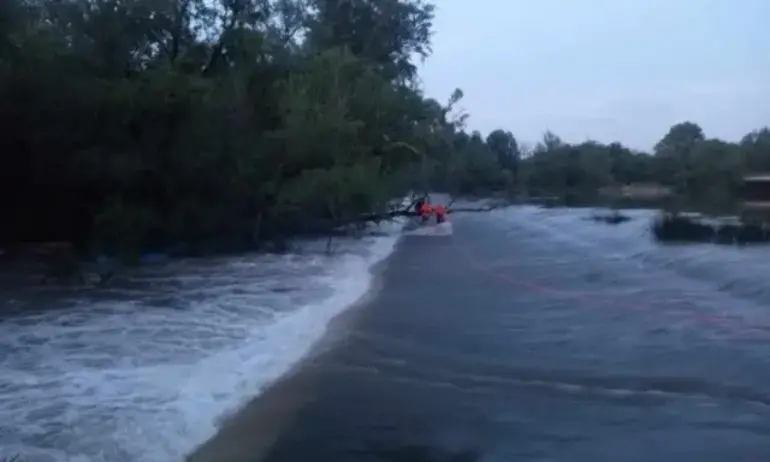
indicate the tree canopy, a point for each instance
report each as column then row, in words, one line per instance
column 140, row 124
column 143, row 124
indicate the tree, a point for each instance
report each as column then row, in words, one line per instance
column 198, row 126
column 756, row 146
column 387, row 33
column 504, row 146
column 675, row 151
column 680, row 137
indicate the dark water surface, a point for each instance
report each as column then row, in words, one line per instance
column 537, row 335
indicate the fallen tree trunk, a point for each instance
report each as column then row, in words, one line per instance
column 410, row 212
column 476, row 209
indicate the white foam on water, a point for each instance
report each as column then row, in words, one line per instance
column 148, row 378
column 441, row 229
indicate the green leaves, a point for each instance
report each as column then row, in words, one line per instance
column 170, row 121
column 186, row 120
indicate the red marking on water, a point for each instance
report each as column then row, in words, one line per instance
column 728, row 323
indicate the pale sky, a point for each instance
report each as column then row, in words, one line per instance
column 607, row 70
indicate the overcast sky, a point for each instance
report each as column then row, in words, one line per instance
column 607, row 70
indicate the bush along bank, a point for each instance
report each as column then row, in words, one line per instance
column 684, row 227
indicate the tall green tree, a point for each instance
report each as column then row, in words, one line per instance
column 162, row 123
column 504, row 146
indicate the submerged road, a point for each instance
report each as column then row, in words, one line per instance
column 538, row 335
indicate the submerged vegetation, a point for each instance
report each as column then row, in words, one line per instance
column 676, row 227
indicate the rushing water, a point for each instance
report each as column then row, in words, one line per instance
column 540, row 335
column 145, row 370
column 728, row 273
column 526, row 334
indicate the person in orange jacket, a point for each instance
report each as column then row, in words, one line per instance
column 440, row 211
column 425, row 211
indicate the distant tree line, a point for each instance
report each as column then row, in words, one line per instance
column 698, row 171
column 221, row 124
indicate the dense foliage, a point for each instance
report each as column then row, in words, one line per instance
column 145, row 124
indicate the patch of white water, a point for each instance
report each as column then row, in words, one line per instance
column 442, row 229
column 144, row 372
